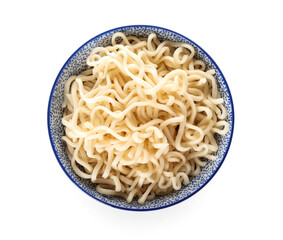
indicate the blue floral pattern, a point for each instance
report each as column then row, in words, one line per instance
column 77, row 63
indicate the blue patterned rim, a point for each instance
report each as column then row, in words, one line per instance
column 55, row 128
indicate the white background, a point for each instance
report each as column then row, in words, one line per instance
column 243, row 201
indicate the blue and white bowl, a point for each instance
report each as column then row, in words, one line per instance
column 77, row 63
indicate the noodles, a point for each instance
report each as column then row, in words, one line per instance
column 141, row 120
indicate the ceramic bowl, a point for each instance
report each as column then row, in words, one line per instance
column 77, row 63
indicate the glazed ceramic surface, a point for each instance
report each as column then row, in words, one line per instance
column 77, row 63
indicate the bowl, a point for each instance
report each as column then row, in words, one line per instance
column 77, row 63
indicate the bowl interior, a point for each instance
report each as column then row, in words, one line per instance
column 77, row 63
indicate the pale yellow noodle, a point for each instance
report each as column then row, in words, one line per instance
column 141, row 120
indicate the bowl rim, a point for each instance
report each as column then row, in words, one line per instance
column 226, row 149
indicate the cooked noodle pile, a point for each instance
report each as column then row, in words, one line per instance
column 141, row 120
